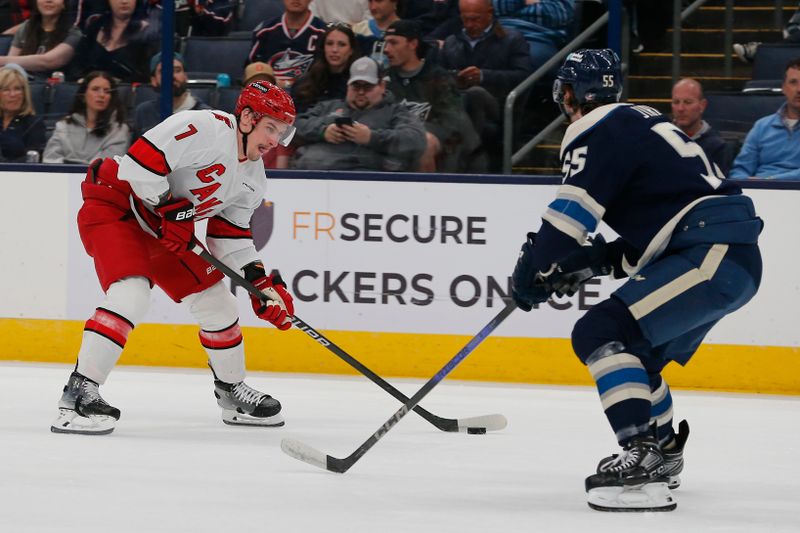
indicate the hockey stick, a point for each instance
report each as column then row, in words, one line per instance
column 312, row 456
column 476, row 424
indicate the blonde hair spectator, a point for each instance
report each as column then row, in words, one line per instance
column 21, row 131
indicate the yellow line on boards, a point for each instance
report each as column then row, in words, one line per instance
column 760, row 369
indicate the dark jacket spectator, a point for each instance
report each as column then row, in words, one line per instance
column 118, row 41
column 688, row 106
column 431, row 93
column 46, row 41
column 326, row 79
column 380, row 134
column 288, row 43
column 20, row 129
column 500, row 57
column 148, row 114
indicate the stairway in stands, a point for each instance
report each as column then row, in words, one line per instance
column 702, row 57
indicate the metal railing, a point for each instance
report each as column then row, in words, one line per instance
column 508, row 132
column 510, row 157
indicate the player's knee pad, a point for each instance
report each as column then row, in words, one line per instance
column 128, row 297
column 607, row 322
column 214, row 308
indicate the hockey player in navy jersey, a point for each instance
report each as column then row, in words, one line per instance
column 137, row 222
column 688, row 246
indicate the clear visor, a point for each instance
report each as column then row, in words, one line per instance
column 288, row 134
column 283, row 131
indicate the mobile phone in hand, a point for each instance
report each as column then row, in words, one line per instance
column 343, row 121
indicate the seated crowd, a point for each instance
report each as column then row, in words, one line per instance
column 392, row 85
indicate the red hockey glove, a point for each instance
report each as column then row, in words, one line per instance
column 278, row 307
column 177, row 224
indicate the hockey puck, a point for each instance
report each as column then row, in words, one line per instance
column 476, row 431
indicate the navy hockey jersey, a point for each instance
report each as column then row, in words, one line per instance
column 629, row 166
column 289, row 55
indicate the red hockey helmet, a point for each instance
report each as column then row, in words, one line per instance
column 267, row 100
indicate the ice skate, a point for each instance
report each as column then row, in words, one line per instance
column 245, row 406
column 673, row 457
column 633, row 480
column 82, row 410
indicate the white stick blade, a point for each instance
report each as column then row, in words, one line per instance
column 304, row 452
column 489, row 422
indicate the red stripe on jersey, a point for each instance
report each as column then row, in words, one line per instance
column 220, row 340
column 114, row 327
column 219, row 228
column 149, row 157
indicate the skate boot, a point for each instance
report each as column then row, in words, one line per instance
column 245, row 406
column 82, row 410
column 673, row 457
column 633, row 480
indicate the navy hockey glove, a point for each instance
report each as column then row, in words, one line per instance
column 528, row 287
column 580, row 266
column 177, row 224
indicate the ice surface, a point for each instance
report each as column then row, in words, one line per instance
column 173, row 466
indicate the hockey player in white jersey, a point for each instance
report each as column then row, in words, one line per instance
column 137, row 223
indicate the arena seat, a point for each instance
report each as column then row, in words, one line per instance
column 226, row 98
column 5, row 44
column 207, row 56
column 771, row 59
column 257, row 11
column 59, row 102
column 734, row 113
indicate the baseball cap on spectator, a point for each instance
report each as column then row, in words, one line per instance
column 365, row 69
column 258, row 71
column 410, row 29
column 156, row 59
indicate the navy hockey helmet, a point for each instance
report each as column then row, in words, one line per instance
column 595, row 76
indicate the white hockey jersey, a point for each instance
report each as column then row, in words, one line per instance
column 194, row 155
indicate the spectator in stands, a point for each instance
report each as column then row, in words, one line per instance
column 119, row 41
column 256, row 72
column 288, row 43
column 437, row 18
column 46, row 41
column 326, row 79
column 367, row 130
column 148, row 114
column 746, row 52
column 349, row 11
column 95, row 126
column 21, row 130
column 485, row 54
column 688, row 106
column 370, row 32
column 772, row 148
column 543, row 23
column 452, row 143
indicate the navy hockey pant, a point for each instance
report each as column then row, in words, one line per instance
column 661, row 314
